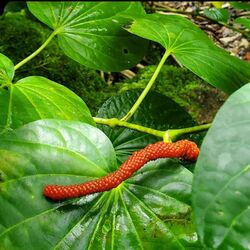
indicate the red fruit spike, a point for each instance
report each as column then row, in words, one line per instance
column 183, row 149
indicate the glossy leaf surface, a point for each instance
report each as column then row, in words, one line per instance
column 147, row 211
column 156, row 111
column 217, row 14
column 6, row 70
column 221, row 194
column 192, row 48
column 91, row 32
column 33, row 98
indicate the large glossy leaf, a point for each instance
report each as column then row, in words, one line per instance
column 148, row 211
column 221, row 193
column 91, row 32
column 192, row 48
column 34, row 98
column 156, row 111
column 6, row 70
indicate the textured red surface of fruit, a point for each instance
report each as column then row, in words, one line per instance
column 183, row 149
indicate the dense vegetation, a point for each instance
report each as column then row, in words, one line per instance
column 127, row 163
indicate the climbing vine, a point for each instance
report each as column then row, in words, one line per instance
column 130, row 171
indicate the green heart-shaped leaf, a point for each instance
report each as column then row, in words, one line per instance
column 6, row 70
column 192, row 48
column 156, row 111
column 147, row 211
column 34, row 98
column 91, row 32
column 221, row 193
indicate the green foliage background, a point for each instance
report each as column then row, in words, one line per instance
column 179, row 84
column 150, row 197
column 21, row 36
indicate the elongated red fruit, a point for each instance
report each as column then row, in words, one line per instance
column 183, row 149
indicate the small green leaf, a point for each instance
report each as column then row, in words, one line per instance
column 217, row 14
column 244, row 21
column 240, row 5
column 147, row 211
column 6, row 70
column 221, row 193
column 192, row 48
column 91, row 32
column 33, row 98
column 156, row 111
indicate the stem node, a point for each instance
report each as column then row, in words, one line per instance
column 166, row 136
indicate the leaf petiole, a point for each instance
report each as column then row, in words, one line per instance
column 167, row 136
column 175, row 133
column 147, row 88
column 113, row 122
column 35, row 53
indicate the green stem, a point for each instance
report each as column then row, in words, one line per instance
column 113, row 122
column 147, row 88
column 168, row 135
column 174, row 133
column 35, row 53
